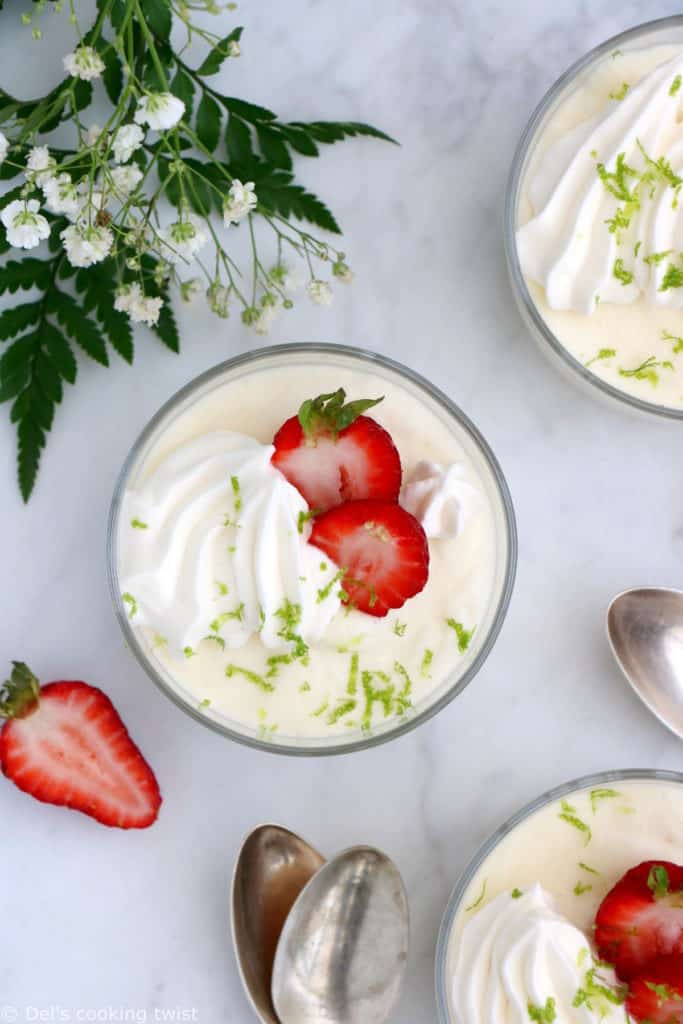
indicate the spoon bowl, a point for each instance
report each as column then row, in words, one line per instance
column 272, row 868
column 344, row 947
column 645, row 630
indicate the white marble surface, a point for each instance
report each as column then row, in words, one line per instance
column 94, row 919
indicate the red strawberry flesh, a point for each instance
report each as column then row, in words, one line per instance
column 640, row 919
column 332, row 454
column 381, row 549
column 73, row 750
column 656, row 995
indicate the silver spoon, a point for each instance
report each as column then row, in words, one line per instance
column 272, row 868
column 344, row 947
column 645, row 629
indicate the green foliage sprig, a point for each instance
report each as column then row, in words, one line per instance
column 122, row 214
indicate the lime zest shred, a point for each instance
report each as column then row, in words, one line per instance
column 235, row 484
column 324, row 592
column 569, row 815
column 602, row 793
column 132, row 604
column 603, row 353
column 303, row 518
column 403, row 701
column 138, row 524
column 658, row 881
column 344, row 708
column 677, row 340
column 597, row 995
column 647, row 370
column 252, row 677
column 480, row 899
column 352, row 681
column 621, row 273
column 655, row 258
column 620, row 94
column 274, row 662
column 217, row 624
column 290, row 616
column 464, row 635
column 321, row 710
column 543, row 1014
column 383, row 696
column 427, row 659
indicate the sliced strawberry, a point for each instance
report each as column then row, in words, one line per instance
column 381, row 549
column 656, row 995
column 65, row 744
column 331, row 453
column 642, row 917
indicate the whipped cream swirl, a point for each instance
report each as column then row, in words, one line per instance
column 607, row 224
column 214, row 543
column 519, row 953
column 440, row 497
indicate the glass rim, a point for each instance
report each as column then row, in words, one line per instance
column 521, row 292
column 486, row 848
column 362, row 355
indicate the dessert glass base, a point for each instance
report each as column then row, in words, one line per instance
column 576, row 343
column 253, row 394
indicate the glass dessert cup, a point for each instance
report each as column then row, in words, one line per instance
column 663, row 31
column 460, row 892
column 316, row 358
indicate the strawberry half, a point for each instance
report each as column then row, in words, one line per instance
column 641, row 918
column 656, row 995
column 381, row 549
column 65, row 744
column 332, row 453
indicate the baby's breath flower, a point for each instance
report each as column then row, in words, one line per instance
column 40, row 164
column 4, row 146
column 218, row 297
column 320, row 292
column 86, row 244
column 160, row 110
column 61, row 196
column 126, row 179
column 285, row 277
column 240, row 201
column 270, row 308
column 190, row 289
column 93, row 134
column 85, row 63
column 141, row 308
column 127, row 139
column 161, row 273
column 184, row 238
column 234, row 49
column 342, row 271
column 25, row 227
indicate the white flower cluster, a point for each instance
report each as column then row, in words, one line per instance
column 84, row 63
column 240, row 201
column 105, row 206
column 141, row 308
